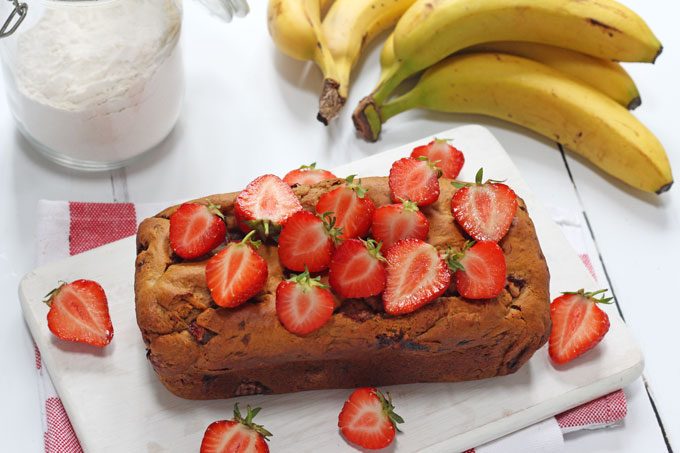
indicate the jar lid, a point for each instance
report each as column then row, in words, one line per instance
column 16, row 16
column 226, row 9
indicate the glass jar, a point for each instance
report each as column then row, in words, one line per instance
column 93, row 84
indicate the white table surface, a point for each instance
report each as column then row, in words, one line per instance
column 250, row 110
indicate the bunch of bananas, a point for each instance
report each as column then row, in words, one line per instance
column 334, row 43
column 547, row 65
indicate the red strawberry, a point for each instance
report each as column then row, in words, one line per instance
column 578, row 324
column 265, row 201
column 353, row 210
column 236, row 273
column 416, row 180
column 485, row 211
column 307, row 175
column 196, row 229
column 357, row 269
column 479, row 270
column 394, row 222
column 306, row 241
column 238, row 435
column 416, row 275
column 449, row 159
column 79, row 312
column 303, row 304
column 368, row 419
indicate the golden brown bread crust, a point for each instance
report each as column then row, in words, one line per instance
column 201, row 351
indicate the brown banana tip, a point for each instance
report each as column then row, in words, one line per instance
column 330, row 101
column 657, row 54
column 664, row 188
column 361, row 123
column 634, row 103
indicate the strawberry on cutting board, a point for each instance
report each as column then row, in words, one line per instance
column 416, row 275
column 394, row 222
column 307, row 241
column 484, row 210
column 357, row 269
column 307, row 175
column 79, row 312
column 479, row 270
column 368, row 419
column 303, row 304
column 578, row 324
column 265, row 204
column 238, row 435
column 236, row 273
column 449, row 159
column 352, row 209
column 196, row 229
column 416, row 180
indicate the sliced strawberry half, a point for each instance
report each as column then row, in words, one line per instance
column 79, row 312
column 307, row 241
column 484, row 210
column 196, row 229
column 236, row 273
column 416, row 275
column 265, row 204
column 479, row 270
column 357, row 269
column 394, row 222
column 416, row 180
column 307, row 175
column 368, row 420
column 303, row 304
column 449, row 159
column 352, row 209
column 578, row 324
column 238, row 435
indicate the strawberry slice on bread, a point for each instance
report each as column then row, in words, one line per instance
column 303, row 304
column 414, row 179
column 447, row 158
column 578, row 324
column 357, row 269
column 479, row 270
column 238, row 435
column 79, row 311
column 307, row 175
column 307, row 241
column 394, row 222
column 484, row 210
column 368, row 420
column 196, row 229
column 352, row 209
column 265, row 204
column 416, row 275
column 236, row 273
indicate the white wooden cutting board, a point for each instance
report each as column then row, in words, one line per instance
column 116, row 404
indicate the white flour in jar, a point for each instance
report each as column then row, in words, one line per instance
column 102, row 81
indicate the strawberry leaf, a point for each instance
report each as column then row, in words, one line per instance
column 593, row 295
column 311, row 166
column 248, row 420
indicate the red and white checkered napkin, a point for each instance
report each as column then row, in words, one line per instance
column 69, row 228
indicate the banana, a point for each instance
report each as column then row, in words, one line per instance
column 348, row 27
column 295, row 27
column 546, row 101
column 607, row 76
column 433, row 29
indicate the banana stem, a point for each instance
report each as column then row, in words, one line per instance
column 397, row 106
column 387, row 85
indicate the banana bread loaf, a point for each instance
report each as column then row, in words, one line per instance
column 202, row 351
